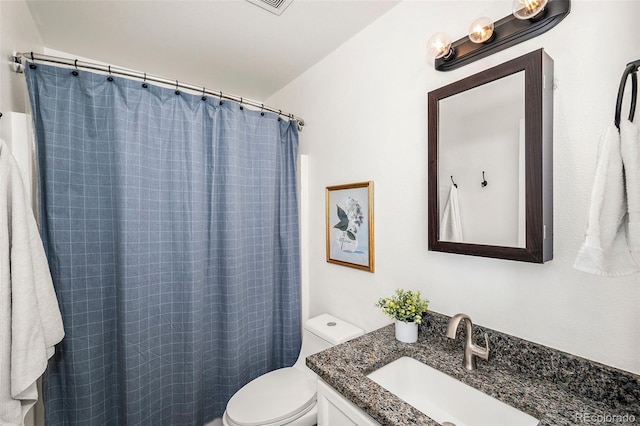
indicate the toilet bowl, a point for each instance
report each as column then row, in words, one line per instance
column 287, row 396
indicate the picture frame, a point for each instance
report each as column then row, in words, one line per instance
column 349, row 225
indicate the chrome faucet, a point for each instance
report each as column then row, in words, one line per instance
column 471, row 351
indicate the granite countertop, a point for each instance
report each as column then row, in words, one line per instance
column 555, row 387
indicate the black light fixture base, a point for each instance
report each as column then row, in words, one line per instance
column 508, row 32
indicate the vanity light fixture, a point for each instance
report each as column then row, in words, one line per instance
column 529, row 19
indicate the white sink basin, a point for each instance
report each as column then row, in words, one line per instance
column 445, row 399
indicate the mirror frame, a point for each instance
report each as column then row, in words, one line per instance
column 538, row 69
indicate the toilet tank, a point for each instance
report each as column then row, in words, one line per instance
column 322, row 332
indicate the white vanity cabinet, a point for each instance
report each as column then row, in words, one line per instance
column 334, row 409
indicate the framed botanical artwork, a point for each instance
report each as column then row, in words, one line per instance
column 350, row 225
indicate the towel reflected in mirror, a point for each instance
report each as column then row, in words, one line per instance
column 450, row 225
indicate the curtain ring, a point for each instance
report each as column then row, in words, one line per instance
column 32, row 66
column 177, row 92
column 262, row 110
column 110, row 78
column 144, row 81
column 75, row 63
column 75, row 72
column 204, row 98
column 241, row 107
column 221, row 97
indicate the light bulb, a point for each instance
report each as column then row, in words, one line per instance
column 528, row 9
column 439, row 46
column 481, row 30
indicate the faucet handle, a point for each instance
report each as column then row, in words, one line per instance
column 484, row 352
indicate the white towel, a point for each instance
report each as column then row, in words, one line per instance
column 630, row 146
column 450, row 225
column 605, row 250
column 30, row 320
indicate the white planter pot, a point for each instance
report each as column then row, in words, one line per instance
column 406, row 332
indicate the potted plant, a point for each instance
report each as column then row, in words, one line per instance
column 407, row 308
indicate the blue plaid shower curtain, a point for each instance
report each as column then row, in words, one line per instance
column 171, row 228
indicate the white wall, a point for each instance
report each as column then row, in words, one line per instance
column 17, row 33
column 365, row 111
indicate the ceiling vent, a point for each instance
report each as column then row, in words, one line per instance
column 274, row 6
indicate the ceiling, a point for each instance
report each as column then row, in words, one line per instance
column 228, row 45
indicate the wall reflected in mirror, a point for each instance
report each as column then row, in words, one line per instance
column 481, row 140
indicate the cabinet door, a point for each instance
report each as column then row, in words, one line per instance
column 334, row 409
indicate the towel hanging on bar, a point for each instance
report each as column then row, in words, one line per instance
column 613, row 229
column 605, row 250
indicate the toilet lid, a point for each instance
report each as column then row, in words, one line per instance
column 272, row 397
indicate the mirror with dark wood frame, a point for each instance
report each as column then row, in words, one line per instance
column 490, row 162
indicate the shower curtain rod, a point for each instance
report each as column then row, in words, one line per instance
column 148, row 77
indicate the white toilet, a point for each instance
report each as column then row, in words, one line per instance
column 288, row 396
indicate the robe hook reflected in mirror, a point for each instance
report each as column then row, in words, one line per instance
column 484, row 181
column 454, row 184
